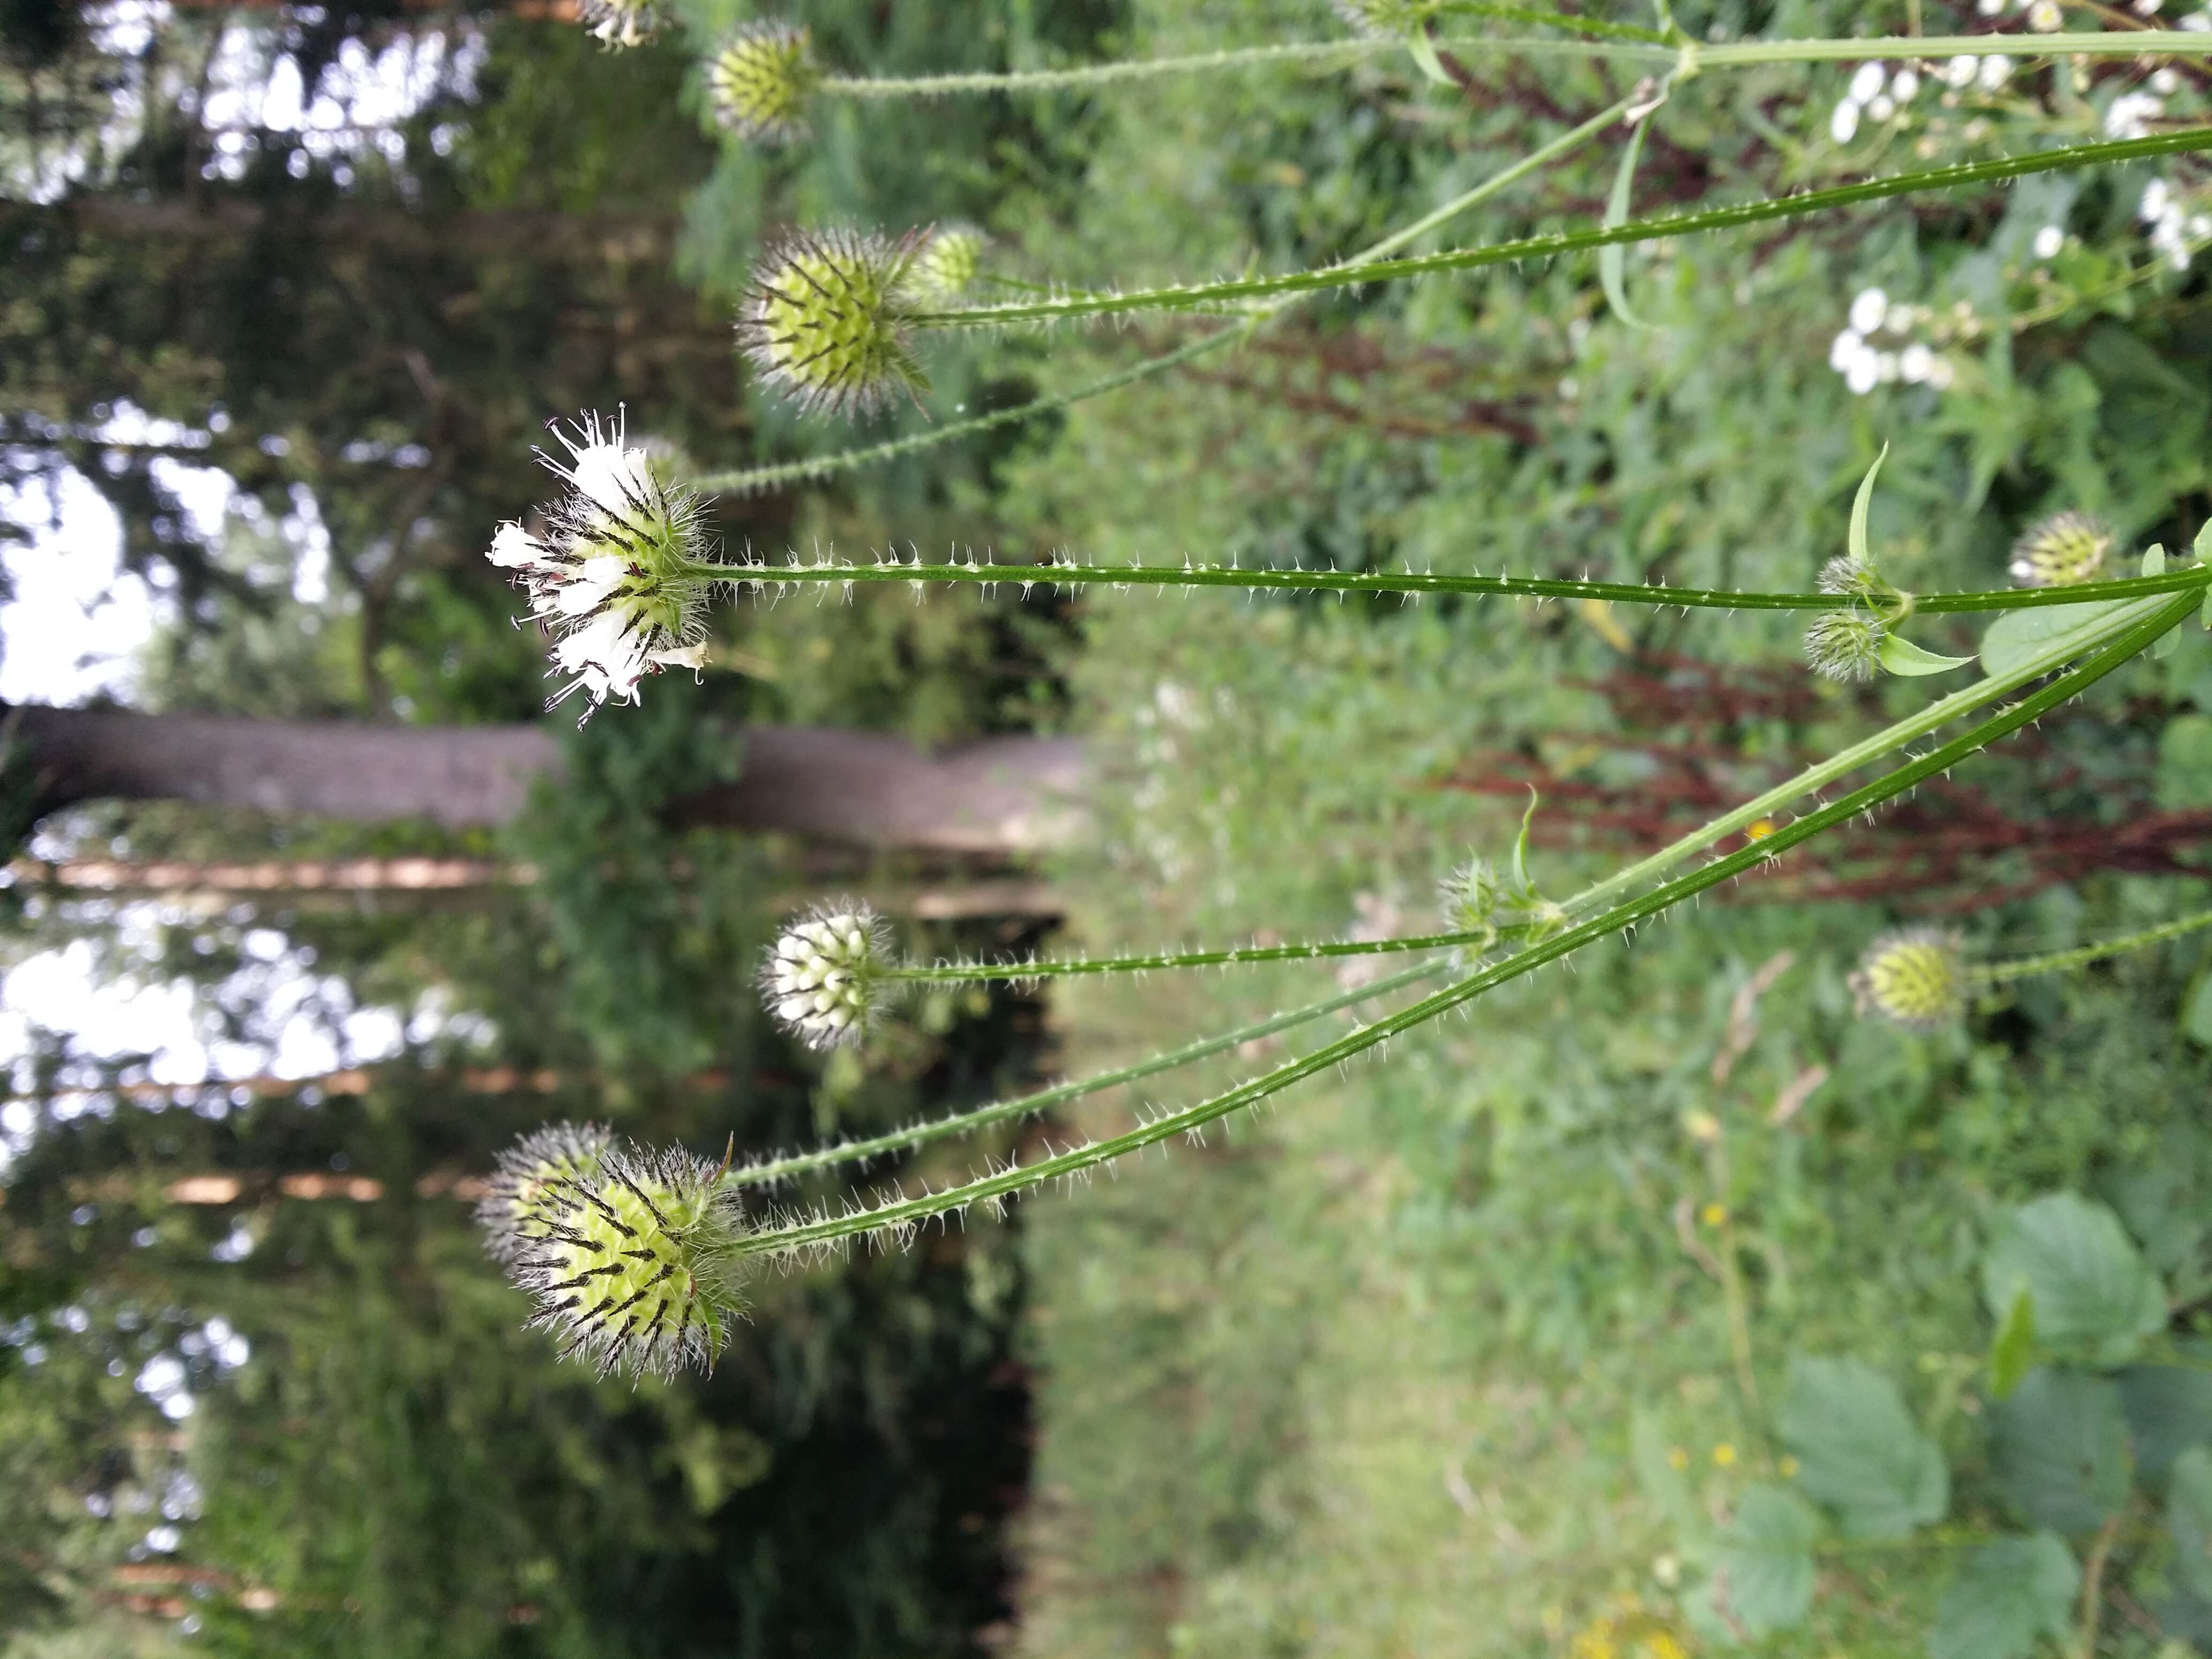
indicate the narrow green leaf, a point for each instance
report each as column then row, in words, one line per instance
column 1521, row 882
column 2203, row 545
column 2008, row 1593
column 1613, row 259
column 1858, row 1449
column 2189, row 1513
column 1763, row 1569
column 2014, row 1350
column 1855, row 543
column 2016, row 635
column 1425, row 55
column 1900, row 656
column 2154, row 560
column 2060, row 1447
column 2094, row 1293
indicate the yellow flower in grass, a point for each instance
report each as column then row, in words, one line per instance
column 1636, row 1635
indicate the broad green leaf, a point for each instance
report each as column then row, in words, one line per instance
column 2008, row 1593
column 2017, row 636
column 2166, row 1199
column 1855, row 542
column 1858, row 1449
column 2060, row 1446
column 1612, row 258
column 2094, row 1292
column 2169, row 1409
column 2184, row 763
column 2203, row 545
column 1763, row 1571
column 2189, row 1513
column 2013, row 1351
column 1900, row 656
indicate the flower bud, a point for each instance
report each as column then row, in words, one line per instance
column 2064, row 550
column 1916, row 977
column 1846, row 645
column 637, row 1266
column 948, row 265
column 618, row 23
column 823, row 979
column 761, row 79
column 1845, row 575
column 1469, row 899
column 825, row 320
column 514, row 1213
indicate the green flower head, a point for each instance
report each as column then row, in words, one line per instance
column 761, row 79
column 1846, row 645
column 825, row 320
column 2063, row 550
column 949, row 264
column 636, row 1267
column 1916, row 977
column 515, row 1211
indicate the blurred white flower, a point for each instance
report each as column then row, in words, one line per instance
column 1844, row 124
column 2129, row 115
column 1913, row 364
column 2048, row 241
column 1993, row 73
column 1905, row 86
column 1867, row 81
column 1959, row 71
column 2045, row 17
column 1869, row 309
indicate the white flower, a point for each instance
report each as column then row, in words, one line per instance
column 1864, row 373
column 2129, row 115
column 612, row 582
column 2048, row 241
column 1881, row 109
column 1941, row 374
column 1960, row 70
column 1844, row 124
column 2157, row 199
column 2199, row 20
column 1913, row 364
column 1989, row 7
column 2045, row 17
column 1846, row 350
column 823, row 979
column 2149, row 7
column 1993, row 73
column 1867, row 310
column 1904, row 86
column 1867, row 80
column 2166, row 82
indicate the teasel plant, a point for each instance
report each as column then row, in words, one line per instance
column 637, row 1259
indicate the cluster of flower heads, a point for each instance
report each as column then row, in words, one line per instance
column 633, row 1256
column 620, row 23
column 824, row 979
column 2176, row 232
column 1885, row 98
column 612, row 579
column 1916, row 976
column 761, row 79
column 1866, row 360
column 825, row 320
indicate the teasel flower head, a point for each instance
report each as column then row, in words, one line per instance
column 613, row 580
column 950, row 262
column 1845, row 575
column 2064, row 550
column 620, row 23
column 823, row 980
column 1388, row 17
column 760, row 80
column 516, row 1212
column 637, row 1266
column 1470, row 900
column 825, row 320
column 1846, row 645
column 1916, row 976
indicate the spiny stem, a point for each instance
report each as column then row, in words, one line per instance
column 2150, row 43
column 955, row 973
column 799, row 1236
column 961, row 1124
column 1205, row 294
column 762, row 575
column 768, row 477
column 1845, row 762
column 1998, row 973
column 1095, row 75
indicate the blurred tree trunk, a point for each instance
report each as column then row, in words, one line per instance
column 994, row 796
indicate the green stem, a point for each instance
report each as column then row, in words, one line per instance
column 2166, row 43
column 768, row 477
column 1207, row 294
column 1998, row 973
column 1418, row 584
column 898, row 1215
column 947, row 1129
column 1099, row 75
column 960, row 973
column 1596, row 25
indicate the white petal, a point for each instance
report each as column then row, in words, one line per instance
column 512, row 547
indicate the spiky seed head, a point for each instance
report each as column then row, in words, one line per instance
column 1916, row 977
column 515, row 1212
column 1469, row 899
column 1388, row 17
column 823, row 977
column 949, row 264
column 825, row 320
column 2064, row 550
column 760, row 80
column 619, row 23
column 639, row 1267
column 613, row 581
column 1846, row 645
column 1845, row 575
